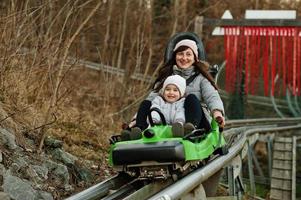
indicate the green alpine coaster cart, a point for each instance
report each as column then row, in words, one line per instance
column 160, row 155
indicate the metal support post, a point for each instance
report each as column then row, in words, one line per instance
column 231, row 181
column 257, row 164
column 270, row 155
column 294, row 168
column 240, row 187
column 250, row 168
column 211, row 184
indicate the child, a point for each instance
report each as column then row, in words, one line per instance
column 170, row 102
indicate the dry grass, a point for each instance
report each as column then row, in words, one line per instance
column 85, row 112
column 86, row 117
column 43, row 94
column 38, row 85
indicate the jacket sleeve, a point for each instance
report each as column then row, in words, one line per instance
column 156, row 103
column 211, row 96
column 152, row 95
column 180, row 111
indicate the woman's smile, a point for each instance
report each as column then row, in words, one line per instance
column 185, row 59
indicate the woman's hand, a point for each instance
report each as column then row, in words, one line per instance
column 219, row 118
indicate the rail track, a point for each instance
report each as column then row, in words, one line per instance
column 240, row 135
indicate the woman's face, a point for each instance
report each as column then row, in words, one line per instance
column 185, row 59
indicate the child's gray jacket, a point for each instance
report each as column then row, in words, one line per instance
column 202, row 89
column 173, row 112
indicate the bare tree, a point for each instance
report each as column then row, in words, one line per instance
column 60, row 75
column 108, row 30
column 148, row 23
column 123, row 33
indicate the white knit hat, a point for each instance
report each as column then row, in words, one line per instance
column 178, row 81
column 189, row 43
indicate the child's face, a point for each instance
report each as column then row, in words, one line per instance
column 171, row 93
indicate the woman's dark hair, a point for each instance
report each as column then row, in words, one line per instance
column 166, row 70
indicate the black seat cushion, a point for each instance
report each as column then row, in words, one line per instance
column 167, row 151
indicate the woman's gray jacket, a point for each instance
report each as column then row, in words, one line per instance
column 173, row 112
column 201, row 88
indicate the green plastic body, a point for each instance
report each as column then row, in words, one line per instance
column 194, row 151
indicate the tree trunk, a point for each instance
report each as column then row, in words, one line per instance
column 149, row 15
column 123, row 33
column 107, row 35
column 176, row 15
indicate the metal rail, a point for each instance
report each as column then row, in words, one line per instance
column 191, row 181
column 262, row 121
column 126, row 188
column 102, row 189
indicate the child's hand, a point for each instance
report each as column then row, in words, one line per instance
column 218, row 116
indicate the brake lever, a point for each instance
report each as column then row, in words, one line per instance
column 195, row 133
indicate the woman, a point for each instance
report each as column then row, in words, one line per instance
column 200, row 88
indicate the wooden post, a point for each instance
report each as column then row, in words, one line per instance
column 198, row 25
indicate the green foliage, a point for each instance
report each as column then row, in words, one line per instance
column 261, row 190
column 236, row 106
column 298, row 191
column 236, row 103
